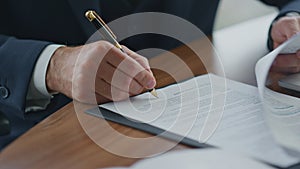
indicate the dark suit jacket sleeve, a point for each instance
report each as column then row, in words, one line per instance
column 18, row 58
column 284, row 6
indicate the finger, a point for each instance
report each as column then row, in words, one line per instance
column 119, row 79
column 109, row 92
column 285, row 69
column 115, row 56
column 101, row 99
column 287, row 60
column 132, row 68
column 142, row 61
column 139, row 73
column 139, row 58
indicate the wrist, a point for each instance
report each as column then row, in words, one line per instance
column 59, row 75
column 51, row 76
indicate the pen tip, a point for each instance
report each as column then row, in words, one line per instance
column 154, row 93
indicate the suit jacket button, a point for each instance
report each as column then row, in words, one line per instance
column 4, row 92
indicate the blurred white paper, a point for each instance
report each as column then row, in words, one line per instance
column 198, row 158
column 282, row 112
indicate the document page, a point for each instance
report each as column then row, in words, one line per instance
column 282, row 112
column 209, row 109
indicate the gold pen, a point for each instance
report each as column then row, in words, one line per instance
column 106, row 32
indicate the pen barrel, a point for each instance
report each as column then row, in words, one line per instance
column 103, row 31
column 101, row 27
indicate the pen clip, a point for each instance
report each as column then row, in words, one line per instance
column 100, row 20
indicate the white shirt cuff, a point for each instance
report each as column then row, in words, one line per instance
column 38, row 96
column 40, row 70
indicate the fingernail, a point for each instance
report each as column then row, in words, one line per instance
column 151, row 84
column 150, row 72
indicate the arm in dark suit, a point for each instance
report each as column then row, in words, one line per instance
column 284, row 6
column 18, row 58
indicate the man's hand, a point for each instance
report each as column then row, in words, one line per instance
column 98, row 69
column 282, row 30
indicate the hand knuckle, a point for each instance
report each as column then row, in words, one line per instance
column 144, row 77
column 102, row 46
column 131, row 71
column 85, row 65
column 145, row 60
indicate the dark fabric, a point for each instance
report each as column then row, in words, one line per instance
column 199, row 13
column 44, row 22
column 28, row 26
column 21, row 125
column 16, row 68
column 277, row 3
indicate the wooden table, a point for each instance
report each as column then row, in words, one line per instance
column 61, row 142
